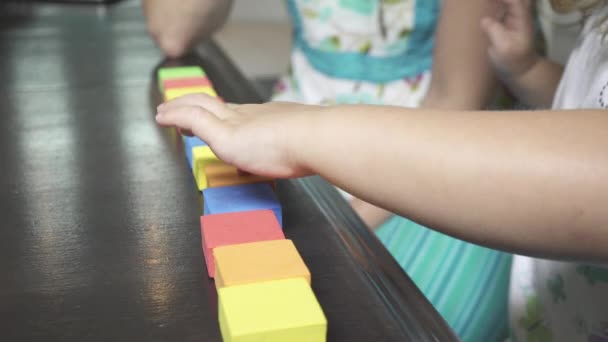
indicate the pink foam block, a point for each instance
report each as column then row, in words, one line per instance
column 236, row 228
column 186, row 82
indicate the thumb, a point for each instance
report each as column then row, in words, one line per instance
column 196, row 119
column 495, row 30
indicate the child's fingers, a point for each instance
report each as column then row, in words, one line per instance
column 527, row 15
column 518, row 10
column 203, row 100
column 235, row 108
column 496, row 31
column 520, row 7
column 199, row 99
column 199, row 121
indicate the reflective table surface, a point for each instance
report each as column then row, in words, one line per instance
column 99, row 234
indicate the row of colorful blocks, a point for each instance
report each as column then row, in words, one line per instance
column 263, row 284
column 179, row 81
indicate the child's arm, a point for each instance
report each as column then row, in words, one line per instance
column 530, row 182
column 456, row 62
column 177, row 25
column 536, row 87
column 532, row 79
column 462, row 77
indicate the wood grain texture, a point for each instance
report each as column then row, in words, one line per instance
column 99, row 214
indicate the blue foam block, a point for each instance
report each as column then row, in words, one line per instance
column 189, row 144
column 205, row 207
column 246, row 197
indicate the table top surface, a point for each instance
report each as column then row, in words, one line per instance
column 99, row 237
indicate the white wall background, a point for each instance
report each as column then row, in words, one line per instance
column 257, row 37
column 259, row 11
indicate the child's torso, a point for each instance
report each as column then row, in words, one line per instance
column 377, row 28
column 564, row 301
column 368, row 40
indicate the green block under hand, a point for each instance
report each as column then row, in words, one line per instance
column 178, row 72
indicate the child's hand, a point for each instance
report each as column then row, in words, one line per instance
column 254, row 138
column 176, row 26
column 512, row 39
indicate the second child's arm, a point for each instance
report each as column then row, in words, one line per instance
column 462, row 77
column 177, row 25
column 532, row 78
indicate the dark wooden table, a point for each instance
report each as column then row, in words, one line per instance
column 99, row 234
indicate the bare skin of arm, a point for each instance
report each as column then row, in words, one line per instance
column 534, row 183
column 456, row 62
column 177, row 25
column 462, row 74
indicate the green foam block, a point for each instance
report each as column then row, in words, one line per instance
column 178, row 72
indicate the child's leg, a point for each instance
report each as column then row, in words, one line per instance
column 466, row 283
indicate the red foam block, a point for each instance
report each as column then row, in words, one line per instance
column 236, row 228
column 186, row 82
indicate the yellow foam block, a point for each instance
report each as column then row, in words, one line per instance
column 174, row 93
column 273, row 311
column 202, row 157
column 257, row 262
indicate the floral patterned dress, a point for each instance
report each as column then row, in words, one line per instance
column 360, row 51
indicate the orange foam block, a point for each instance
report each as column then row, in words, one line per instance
column 257, row 262
column 224, row 175
column 235, row 228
